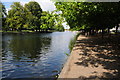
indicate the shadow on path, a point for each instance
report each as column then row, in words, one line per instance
column 100, row 54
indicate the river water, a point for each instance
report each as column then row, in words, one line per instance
column 34, row 55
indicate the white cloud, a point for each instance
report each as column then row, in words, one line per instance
column 46, row 5
column 7, row 9
column 23, row 2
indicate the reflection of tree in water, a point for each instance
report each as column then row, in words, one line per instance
column 30, row 47
column 100, row 54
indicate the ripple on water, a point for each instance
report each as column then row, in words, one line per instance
column 35, row 55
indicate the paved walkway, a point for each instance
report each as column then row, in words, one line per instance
column 93, row 58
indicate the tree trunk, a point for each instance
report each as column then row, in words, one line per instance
column 109, row 34
column 102, row 33
column 108, row 30
column 89, row 32
column 36, row 30
column 93, row 32
column 12, row 29
column 86, row 34
column 116, row 29
column 20, row 30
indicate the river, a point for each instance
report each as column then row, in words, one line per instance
column 35, row 55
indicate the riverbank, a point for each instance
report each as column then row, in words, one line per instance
column 93, row 58
column 24, row 32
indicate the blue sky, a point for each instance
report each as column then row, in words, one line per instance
column 46, row 5
column 7, row 4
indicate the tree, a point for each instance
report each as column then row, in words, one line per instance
column 16, row 16
column 47, row 21
column 35, row 14
column 3, row 16
column 59, row 20
column 90, row 16
column 24, row 17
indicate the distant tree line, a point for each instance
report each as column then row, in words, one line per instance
column 88, row 16
column 91, row 16
column 29, row 17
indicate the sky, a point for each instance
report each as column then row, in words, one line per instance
column 46, row 5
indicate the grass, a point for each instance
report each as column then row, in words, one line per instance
column 73, row 41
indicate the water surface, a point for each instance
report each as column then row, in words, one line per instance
column 38, row 55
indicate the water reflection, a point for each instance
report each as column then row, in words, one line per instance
column 34, row 55
column 29, row 47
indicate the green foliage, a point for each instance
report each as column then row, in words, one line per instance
column 3, row 15
column 31, row 17
column 27, row 17
column 59, row 27
column 73, row 41
column 2, row 10
column 51, row 21
column 78, row 15
column 16, row 16
column 67, row 54
column 47, row 21
column 34, row 10
column 90, row 15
